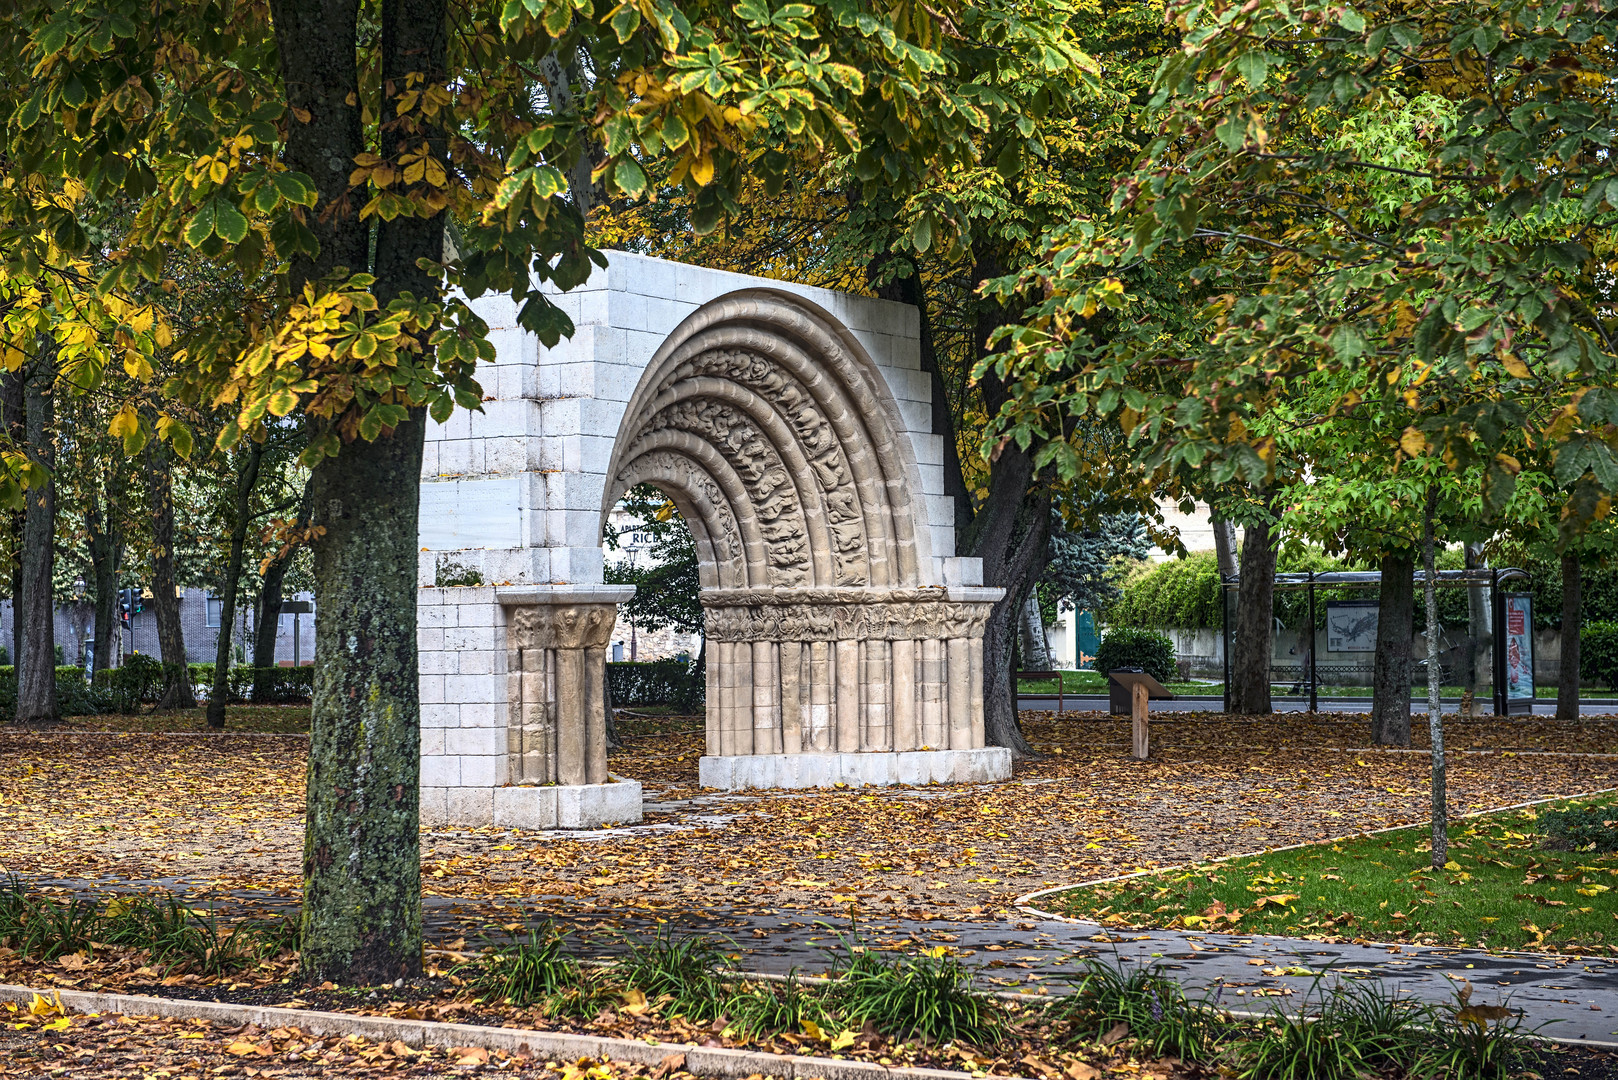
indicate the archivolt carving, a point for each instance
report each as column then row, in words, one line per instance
column 898, row 621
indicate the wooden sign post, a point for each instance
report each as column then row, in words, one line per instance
column 1142, row 687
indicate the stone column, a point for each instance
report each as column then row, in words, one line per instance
column 905, row 697
column 557, row 650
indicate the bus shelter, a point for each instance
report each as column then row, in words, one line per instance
column 1323, row 640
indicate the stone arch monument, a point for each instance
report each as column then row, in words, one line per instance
column 791, row 428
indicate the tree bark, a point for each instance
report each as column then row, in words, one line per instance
column 1009, row 532
column 270, row 598
column 36, row 664
column 1391, row 670
column 1036, row 653
column 1224, row 538
column 1255, row 612
column 1435, row 712
column 1567, row 689
column 362, row 854
column 246, row 481
column 362, row 851
column 1477, row 628
column 106, row 551
column 177, row 689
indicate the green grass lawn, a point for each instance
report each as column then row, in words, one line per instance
column 1502, row 888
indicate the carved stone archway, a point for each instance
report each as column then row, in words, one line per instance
column 834, row 653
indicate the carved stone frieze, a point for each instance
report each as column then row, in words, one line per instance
column 561, row 626
column 895, row 620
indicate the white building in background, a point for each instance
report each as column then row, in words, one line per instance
column 1195, row 528
column 629, row 642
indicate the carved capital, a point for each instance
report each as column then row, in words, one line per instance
column 561, row 626
column 829, row 620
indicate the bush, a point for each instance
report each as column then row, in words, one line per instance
column 1151, row 1005
column 1598, row 653
column 658, row 682
column 528, row 970
column 1593, row 827
column 766, row 1008
column 930, row 996
column 279, row 684
column 1127, row 646
column 684, row 971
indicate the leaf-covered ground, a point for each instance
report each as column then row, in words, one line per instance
column 1502, row 887
column 226, row 810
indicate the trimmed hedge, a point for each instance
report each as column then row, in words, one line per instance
column 1148, row 650
column 658, row 682
column 121, row 690
column 1593, row 827
column 1598, row 653
column 285, row 684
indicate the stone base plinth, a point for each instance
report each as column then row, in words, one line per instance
column 568, row 806
column 983, row 765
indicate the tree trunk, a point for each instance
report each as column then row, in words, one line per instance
column 1036, row 652
column 13, row 420
column 246, row 481
column 36, row 664
column 1224, row 538
column 267, row 623
column 1392, row 672
column 1009, row 533
column 362, row 853
column 106, row 551
column 1255, row 612
column 177, row 690
column 1435, row 713
column 1567, row 689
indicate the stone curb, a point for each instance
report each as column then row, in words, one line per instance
column 561, row 1046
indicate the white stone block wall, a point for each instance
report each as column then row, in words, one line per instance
column 462, row 653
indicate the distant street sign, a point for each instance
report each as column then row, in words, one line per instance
column 296, row 607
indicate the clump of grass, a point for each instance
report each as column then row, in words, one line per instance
column 765, row 1008
column 525, row 971
column 682, row 976
column 46, row 929
column 1476, row 1042
column 1357, row 1030
column 929, row 995
column 1108, row 1002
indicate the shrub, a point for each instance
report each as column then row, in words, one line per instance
column 1359, row 1029
column 928, row 995
column 684, row 971
column 1152, row 1007
column 262, row 686
column 658, row 682
column 1598, row 653
column 1578, row 828
column 1181, row 593
column 528, row 970
column 766, row 1008
column 1128, row 646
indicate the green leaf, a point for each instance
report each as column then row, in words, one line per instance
column 52, row 38
column 629, row 177
column 202, row 223
column 229, row 222
column 1255, row 67
column 675, row 133
column 921, row 233
column 625, row 21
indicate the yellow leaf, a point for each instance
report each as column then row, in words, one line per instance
column 435, row 174
column 635, row 1003
column 61, row 1024
column 51, row 1006
column 1515, row 366
column 1452, row 865
column 1413, row 442
column 218, row 171
column 125, row 424
column 842, row 1040
column 702, row 170
column 812, row 1029
column 415, row 171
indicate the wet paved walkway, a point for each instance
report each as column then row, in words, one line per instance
column 1576, row 997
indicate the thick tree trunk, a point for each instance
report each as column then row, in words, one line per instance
column 246, row 481
column 36, row 664
column 267, row 616
column 1009, row 532
column 177, row 690
column 362, row 851
column 1567, row 689
column 1435, row 712
column 1224, row 538
column 362, row 854
column 1391, row 669
column 106, row 551
column 1255, row 612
